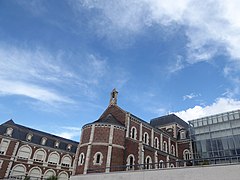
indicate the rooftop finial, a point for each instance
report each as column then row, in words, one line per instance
column 113, row 97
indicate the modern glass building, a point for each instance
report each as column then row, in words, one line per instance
column 216, row 139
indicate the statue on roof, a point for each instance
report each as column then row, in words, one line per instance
column 113, row 97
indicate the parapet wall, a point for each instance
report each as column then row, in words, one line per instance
column 219, row 172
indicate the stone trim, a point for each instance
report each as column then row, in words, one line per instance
column 103, row 144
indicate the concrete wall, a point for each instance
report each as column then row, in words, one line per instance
column 221, row 172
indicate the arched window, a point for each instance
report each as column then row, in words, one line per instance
column 18, row 171
column 98, row 158
column 161, row 164
column 173, row 150
column 81, row 159
column 133, row 133
column 63, row 176
column 66, row 161
column 35, row 173
column 146, row 138
column 4, row 146
column 49, row 173
column 165, row 148
column 130, row 162
column 172, row 165
column 24, row 152
column 156, row 143
column 39, row 155
column 186, row 154
column 53, row 158
column 148, row 162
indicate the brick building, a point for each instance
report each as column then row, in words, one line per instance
column 118, row 140
column 29, row 152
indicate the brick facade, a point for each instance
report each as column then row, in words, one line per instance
column 23, row 157
column 131, row 143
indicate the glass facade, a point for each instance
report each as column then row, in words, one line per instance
column 217, row 137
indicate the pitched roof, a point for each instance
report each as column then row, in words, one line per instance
column 20, row 132
column 109, row 119
column 168, row 119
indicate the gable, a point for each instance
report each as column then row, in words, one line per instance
column 118, row 113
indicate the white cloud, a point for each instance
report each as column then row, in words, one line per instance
column 212, row 26
column 70, row 133
column 219, row 106
column 31, row 73
column 190, row 96
column 48, row 78
column 176, row 66
column 32, row 91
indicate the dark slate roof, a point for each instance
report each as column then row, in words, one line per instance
column 109, row 119
column 20, row 132
column 168, row 119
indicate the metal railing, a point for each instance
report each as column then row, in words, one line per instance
column 170, row 164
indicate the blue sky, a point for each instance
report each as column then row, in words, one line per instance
column 59, row 60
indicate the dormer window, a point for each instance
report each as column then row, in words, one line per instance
column 29, row 137
column 182, row 134
column 57, row 144
column 69, row 146
column 43, row 141
column 9, row 131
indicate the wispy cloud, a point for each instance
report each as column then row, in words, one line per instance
column 178, row 65
column 48, row 78
column 32, row 74
column 211, row 27
column 204, row 22
column 69, row 133
column 190, row 96
column 219, row 106
column 36, row 7
column 32, row 91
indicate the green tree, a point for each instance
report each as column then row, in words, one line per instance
column 52, row 178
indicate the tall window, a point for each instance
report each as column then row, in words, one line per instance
column 156, row 143
column 35, row 173
column 98, row 158
column 165, row 148
column 81, row 159
column 186, row 154
column 24, row 152
column 130, row 162
column 146, row 138
column 49, row 173
column 182, row 134
column 39, row 155
column 133, row 133
column 18, row 171
column 66, row 161
column 173, row 150
column 161, row 164
column 1, row 163
column 53, row 158
column 4, row 146
column 148, row 162
column 63, row 176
